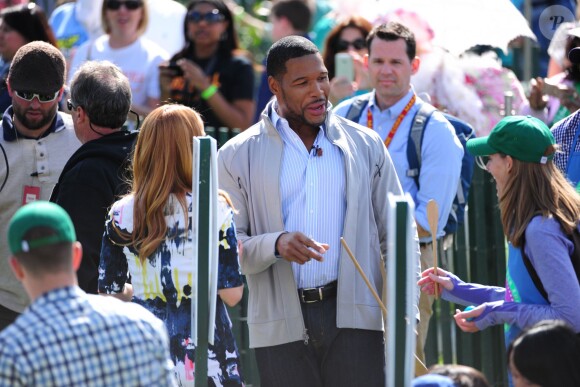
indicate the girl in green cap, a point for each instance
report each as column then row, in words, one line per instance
column 540, row 211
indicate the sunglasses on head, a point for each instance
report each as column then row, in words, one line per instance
column 132, row 5
column 210, row 17
column 357, row 44
column 43, row 98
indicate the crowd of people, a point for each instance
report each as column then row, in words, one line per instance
column 99, row 116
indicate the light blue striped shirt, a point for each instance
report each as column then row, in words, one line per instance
column 313, row 199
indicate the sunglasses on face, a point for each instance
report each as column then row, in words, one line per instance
column 357, row 44
column 43, row 98
column 210, row 17
column 132, row 5
column 70, row 106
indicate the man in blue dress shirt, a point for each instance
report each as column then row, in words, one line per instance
column 390, row 112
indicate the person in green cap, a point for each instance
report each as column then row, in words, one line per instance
column 67, row 337
column 539, row 212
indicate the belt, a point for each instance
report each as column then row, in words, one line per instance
column 321, row 293
column 425, row 244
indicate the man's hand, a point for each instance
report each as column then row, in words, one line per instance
column 297, row 247
column 537, row 99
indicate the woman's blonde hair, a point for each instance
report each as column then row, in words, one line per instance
column 537, row 189
column 162, row 165
column 142, row 23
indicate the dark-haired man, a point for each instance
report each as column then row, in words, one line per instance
column 66, row 337
column 390, row 111
column 36, row 141
column 300, row 179
column 288, row 17
column 96, row 174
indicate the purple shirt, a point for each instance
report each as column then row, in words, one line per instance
column 549, row 251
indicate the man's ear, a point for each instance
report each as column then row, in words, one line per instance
column 274, row 85
column 77, row 255
column 8, row 87
column 81, row 114
column 61, row 93
column 415, row 64
column 17, row 268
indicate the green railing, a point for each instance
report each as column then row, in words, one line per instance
column 221, row 134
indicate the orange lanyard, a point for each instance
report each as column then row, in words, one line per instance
column 397, row 121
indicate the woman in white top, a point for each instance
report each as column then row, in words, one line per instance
column 124, row 23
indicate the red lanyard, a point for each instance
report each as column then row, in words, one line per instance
column 397, row 121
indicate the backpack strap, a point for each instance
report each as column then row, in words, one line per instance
column 575, row 238
column 357, row 106
column 416, row 140
column 534, row 275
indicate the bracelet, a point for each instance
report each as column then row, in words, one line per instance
column 209, row 92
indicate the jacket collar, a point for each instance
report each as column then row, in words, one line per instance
column 10, row 133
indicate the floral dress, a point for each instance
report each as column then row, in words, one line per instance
column 163, row 283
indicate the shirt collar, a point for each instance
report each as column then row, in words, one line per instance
column 10, row 133
column 398, row 107
column 57, row 295
column 277, row 120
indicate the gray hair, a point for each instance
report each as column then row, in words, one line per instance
column 103, row 91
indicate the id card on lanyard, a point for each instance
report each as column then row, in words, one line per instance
column 30, row 193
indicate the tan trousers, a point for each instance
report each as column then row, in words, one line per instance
column 425, row 301
column 425, row 305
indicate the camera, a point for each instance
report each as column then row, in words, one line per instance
column 174, row 68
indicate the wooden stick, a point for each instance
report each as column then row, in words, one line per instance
column 433, row 218
column 420, row 368
column 364, row 277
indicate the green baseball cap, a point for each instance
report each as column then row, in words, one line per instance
column 39, row 214
column 524, row 138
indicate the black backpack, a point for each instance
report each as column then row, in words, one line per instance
column 464, row 132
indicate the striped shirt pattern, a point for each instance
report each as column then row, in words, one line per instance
column 69, row 338
column 313, row 199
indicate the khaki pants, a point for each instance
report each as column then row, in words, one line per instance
column 425, row 305
column 425, row 301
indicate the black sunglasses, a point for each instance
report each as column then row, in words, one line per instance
column 132, row 5
column 70, row 105
column 343, row 45
column 211, row 17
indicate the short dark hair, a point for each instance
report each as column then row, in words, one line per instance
column 393, row 31
column 296, row 11
column 54, row 258
column 287, row 48
column 462, row 375
column 103, row 91
column 547, row 354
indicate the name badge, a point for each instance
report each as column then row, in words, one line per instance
column 30, row 194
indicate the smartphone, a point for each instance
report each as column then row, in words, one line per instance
column 174, row 67
column 344, row 66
